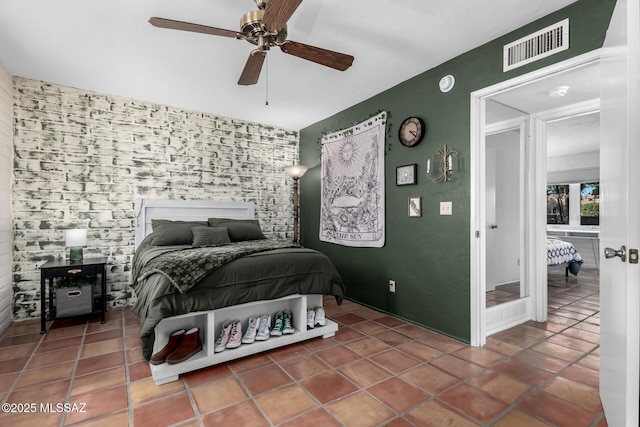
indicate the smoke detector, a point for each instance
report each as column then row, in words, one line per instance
column 559, row 91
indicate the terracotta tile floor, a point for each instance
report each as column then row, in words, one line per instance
column 377, row 370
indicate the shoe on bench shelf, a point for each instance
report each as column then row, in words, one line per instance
column 276, row 331
column 174, row 342
column 235, row 339
column 287, row 328
column 189, row 346
column 311, row 317
column 223, row 338
column 263, row 328
column 319, row 317
column 252, row 330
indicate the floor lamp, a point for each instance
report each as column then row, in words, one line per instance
column 295, row 172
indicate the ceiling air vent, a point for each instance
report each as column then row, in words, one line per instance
column 543, row 43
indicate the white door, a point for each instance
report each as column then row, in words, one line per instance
column 620, row 217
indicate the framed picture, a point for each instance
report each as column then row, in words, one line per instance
column 407, row 174
column 415, row 207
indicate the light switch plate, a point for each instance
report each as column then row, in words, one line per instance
column 446, row 208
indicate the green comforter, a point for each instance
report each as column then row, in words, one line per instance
column 170, row 280
column 186, row 266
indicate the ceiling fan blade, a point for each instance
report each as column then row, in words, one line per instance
column 278, row 12
column 329, row 58
column 252, row 68
column 196, row 28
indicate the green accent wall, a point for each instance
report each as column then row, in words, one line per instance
column 429, row 257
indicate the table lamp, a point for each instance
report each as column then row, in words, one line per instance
column 76, row 240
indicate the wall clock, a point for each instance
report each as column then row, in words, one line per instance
column 411, row 131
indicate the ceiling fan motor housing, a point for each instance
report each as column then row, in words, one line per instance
column 251, row 27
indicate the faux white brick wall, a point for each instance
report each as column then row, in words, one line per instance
column 6, row 228
column 82, row 158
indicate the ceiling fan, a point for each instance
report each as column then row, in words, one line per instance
column 265, row 27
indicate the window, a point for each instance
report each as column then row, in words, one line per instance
column 590, row 203
column 558, row 204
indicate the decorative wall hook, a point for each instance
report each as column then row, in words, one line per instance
column 442, row 164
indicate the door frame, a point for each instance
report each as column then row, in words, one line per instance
column 534, row 223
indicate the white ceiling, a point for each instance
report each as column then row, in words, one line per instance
column 108, row 46
column 574, row 135
column 583, row 85
column 569, row 136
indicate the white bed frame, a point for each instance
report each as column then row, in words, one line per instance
column 210, row 322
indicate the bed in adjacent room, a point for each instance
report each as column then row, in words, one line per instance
column 562, row 254
column 201, row 264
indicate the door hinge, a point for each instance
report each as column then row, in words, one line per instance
column 477, row 233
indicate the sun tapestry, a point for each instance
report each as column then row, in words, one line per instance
column 352, row 211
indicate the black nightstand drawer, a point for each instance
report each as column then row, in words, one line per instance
column 73, row 270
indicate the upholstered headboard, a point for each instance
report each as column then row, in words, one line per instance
column 186, row 210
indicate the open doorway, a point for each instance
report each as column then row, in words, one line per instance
column 573, row 192
column 530, row 96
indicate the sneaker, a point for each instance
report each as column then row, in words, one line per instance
column 288, row 323
column 223, row 338
column 236, row 335
column 320, row 320
column 252, row 330
column 311, row 316
column 263, row 329
column 279, row 324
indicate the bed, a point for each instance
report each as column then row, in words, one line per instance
column 188, row 271
column 562, row 254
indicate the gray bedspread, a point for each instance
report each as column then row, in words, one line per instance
column 263, row 275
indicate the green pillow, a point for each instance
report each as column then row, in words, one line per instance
column 167, row 232
column 239, row 229
column 210, row 236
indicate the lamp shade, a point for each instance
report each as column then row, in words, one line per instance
column 296, row 171
column 76, row 238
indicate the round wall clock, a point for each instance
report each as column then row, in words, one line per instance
column 411, row 131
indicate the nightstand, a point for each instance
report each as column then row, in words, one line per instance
column 65, row 268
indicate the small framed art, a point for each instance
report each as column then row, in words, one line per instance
column 407, row 174
column 415, row 207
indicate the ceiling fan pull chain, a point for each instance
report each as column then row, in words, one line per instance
column 266, row 90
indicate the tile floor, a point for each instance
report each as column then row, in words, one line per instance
column 377, row 370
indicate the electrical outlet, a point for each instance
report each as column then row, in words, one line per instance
column 392, row 285
column 446, row 208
